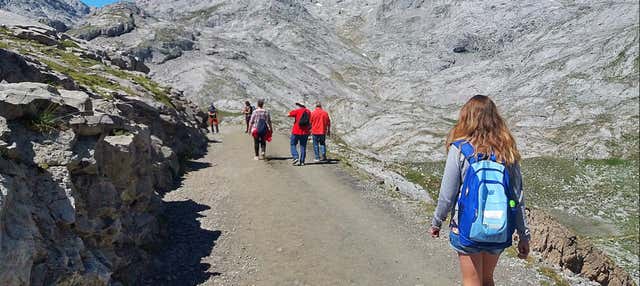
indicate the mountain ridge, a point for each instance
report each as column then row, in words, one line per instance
column 390, row 74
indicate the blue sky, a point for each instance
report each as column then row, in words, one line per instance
column 98, row 3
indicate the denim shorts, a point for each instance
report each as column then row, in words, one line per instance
column 454, row 242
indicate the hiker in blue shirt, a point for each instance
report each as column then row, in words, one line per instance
column 483, row 161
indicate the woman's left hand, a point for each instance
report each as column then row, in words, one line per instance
column 523, row 249
column 435, row 232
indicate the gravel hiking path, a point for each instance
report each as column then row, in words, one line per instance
column 237, row 221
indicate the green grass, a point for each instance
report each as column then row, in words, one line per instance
column 68, row 44
column 207, row 12
column 225, row 113
column 429, row 182
column 120, row 132
column 79, row 69
column 92, row 80
column 43, row 166
column 609, row 162
column 554, row 276
column 453, row 122
column 45, row 121
column 159, row 93
column 336, row 76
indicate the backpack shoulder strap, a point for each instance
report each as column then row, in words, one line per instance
column 466, row 149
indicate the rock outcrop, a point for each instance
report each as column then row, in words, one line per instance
column 112, row 21
column 562, row 247
column 86, row 150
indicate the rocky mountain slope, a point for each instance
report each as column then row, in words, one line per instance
column 60, row 14
column 394, row 73
column 85, row 150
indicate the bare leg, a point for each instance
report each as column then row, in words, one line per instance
column 471, row 267
column 489, row 262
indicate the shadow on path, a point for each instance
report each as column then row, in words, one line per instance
column 276, row 158
column 177, row 261
column 326, row 162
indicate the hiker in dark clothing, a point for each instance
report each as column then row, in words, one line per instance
column 213, row 119
column 261, row 130
column 247, row 111
column 300, row 133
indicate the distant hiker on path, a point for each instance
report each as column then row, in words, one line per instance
column 247, row 111
column 213, row 118
column 483, row 162
column 261, row 130
column 300, row 133
column 320, row 129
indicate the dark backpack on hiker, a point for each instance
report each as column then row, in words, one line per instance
column 251, row 109
column 486, row 205
column 304, row 121
column 262, row 127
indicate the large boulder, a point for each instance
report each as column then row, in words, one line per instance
column 33, row 99
column 47, row 37
column 111, row 21
column 16, row 68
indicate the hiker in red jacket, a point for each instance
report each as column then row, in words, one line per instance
column 320, row 129
column 300, row 133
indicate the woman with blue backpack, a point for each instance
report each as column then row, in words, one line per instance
column 482, row 189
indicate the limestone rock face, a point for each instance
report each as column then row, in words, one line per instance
column 394, row 74
column 86, row 149
column 56, row 13
column 111, row 21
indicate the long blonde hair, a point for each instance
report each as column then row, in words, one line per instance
column 481, row 125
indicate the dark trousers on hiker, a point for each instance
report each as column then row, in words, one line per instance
column 213, row 123
column 320, row 147
column 302, row 140
column 259, row 142
column 246, row 120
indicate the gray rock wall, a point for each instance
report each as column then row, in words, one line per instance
column 82, row 167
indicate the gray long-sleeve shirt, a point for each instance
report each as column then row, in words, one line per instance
column 454, row 169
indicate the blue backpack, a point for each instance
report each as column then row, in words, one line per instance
column 486, row 206
column 262, row 127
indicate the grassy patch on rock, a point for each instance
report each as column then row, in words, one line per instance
column 96, row 76
column 428, row 175
column 68, row 44
column 556, row 279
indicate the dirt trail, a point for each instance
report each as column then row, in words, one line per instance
column 271, row 223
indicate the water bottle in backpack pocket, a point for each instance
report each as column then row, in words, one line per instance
column 485, row 210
